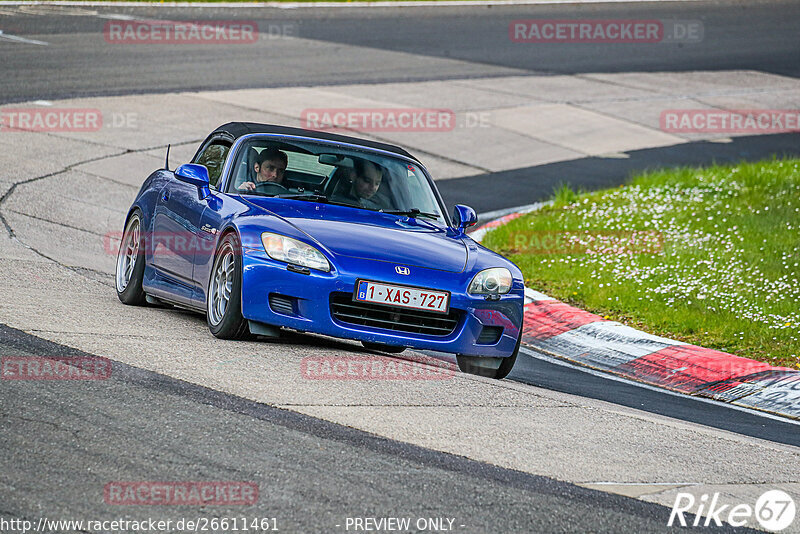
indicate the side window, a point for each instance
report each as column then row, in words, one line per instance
column 213, row 157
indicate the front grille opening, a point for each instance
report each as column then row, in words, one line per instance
column 346, row 310
column 282, row 304
column 489, row 335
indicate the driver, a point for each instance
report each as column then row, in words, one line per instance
column 269, row 166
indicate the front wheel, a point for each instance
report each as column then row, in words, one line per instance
column 224, row 295
column 130, row 263
column 496, row 368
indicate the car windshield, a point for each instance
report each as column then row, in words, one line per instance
column 330, row 173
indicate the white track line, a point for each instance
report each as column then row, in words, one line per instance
column 16, row 39
column 115, row 16
column 492, row 215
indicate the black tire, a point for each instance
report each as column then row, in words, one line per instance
column 227, row 323
column 467, row 364
column 392, row 349
column 129, row 286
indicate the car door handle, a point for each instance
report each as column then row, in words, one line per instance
column 165, row 196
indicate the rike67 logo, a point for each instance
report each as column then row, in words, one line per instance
column 774, row 511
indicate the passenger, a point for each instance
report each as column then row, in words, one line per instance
column 269, row 166
column 364, row 182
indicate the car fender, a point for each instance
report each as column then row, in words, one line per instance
column 278, row 224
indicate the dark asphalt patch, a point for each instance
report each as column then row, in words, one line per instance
column 518, row 187
column 63, row 441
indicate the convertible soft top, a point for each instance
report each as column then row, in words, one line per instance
column 238, row 129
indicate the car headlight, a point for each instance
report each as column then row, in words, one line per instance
column 495, row 281
column 286, row 249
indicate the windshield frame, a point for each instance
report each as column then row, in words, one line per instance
column 233, row 155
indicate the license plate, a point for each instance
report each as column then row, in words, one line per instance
column 402, row 296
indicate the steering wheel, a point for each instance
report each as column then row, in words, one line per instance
column 270, row 188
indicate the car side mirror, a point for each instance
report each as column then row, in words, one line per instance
column 194, row 174
column 464, row 217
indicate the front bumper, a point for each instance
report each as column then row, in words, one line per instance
column 310, row 295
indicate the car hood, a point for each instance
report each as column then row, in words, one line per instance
column 371, row 235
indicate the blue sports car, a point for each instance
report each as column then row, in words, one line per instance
column 273, row 227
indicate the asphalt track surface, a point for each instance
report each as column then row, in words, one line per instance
column 312, row 475
column 138, row 423
column 78, row 62
column 737, row 35
column 498, row 190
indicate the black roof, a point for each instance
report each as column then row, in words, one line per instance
column 238, row 129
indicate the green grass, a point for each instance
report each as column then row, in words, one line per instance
column 714, row 259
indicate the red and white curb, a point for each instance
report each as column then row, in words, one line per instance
column 572, row 334
column 499, row 218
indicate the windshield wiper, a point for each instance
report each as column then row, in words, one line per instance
column 413, row 212
column 314, row 197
